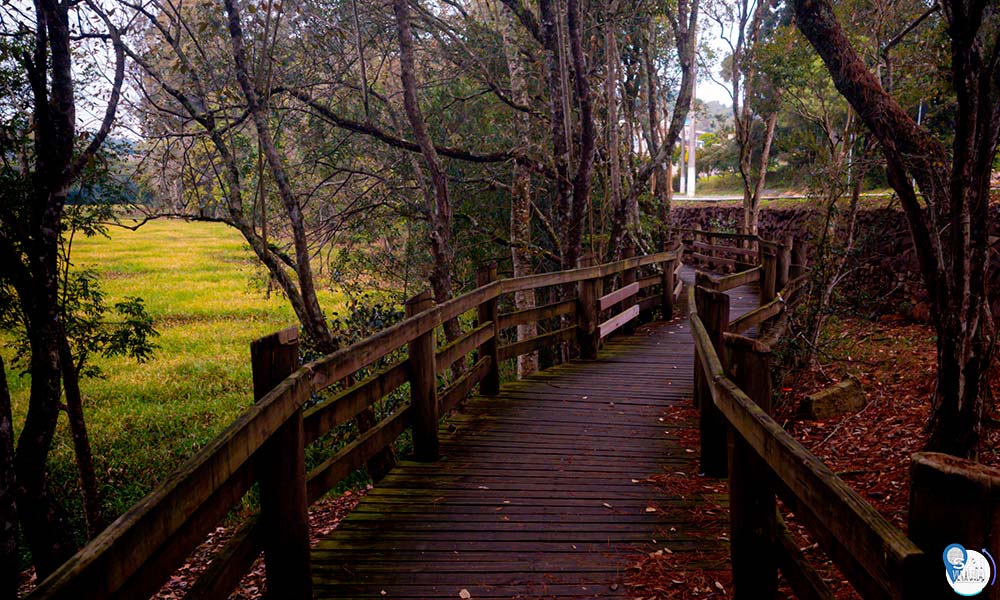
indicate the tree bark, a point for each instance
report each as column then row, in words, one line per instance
column 441, row 211
column 557, row 120
column 664, row 189
column 81, row 441
column 441, row 216
column 8, row 503
column 520, row 198
column 585, row 164
column 742, row 73
column 315, row 324
column 950, row 235
column 621, row 211
column 44, row 522
column 50, row 75
column 751, row 197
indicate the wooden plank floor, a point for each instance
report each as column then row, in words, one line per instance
column 539, row 493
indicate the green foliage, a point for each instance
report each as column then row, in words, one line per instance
column 144, row 419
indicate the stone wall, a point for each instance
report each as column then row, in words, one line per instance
column 884, row 274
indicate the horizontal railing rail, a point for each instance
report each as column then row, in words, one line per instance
column 740, row 439
column 138, row 552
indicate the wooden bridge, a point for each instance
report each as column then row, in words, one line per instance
column 535, row 488
column 539, row 492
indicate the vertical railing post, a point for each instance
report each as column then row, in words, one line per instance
column 799, row 259
column 768, row 273
column 952, row 501
column 667, row 283
column 586, row 310
column 281, row 470
column 488, row 312
column 423, row 385
column 784, row 262
column 713, row 308
column 752, row 506
column 628, row 278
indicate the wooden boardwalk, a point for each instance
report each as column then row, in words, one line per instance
column 539, row 493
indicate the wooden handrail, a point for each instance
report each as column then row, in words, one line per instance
column 576, row 275
column 106, row 566
column 134, row 555
column 875, row 556
column 717, row 234
column 728, row 282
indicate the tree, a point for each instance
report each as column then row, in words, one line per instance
column 31, row 225
column 684, row 25
column 440, row 207
column 742, row 26
column 947, row 207
column 8, row 503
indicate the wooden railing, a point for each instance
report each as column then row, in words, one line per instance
column 740, row 439
column 266, row 446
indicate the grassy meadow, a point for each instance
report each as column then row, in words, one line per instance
column 203, row 288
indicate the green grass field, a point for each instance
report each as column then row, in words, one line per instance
column 202, row 286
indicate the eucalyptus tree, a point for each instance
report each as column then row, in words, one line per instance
column 944, row 191
column 743, row 27
column 683, row 19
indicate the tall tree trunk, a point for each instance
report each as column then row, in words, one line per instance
column 585, row 162
column 753, row 190
column 662, row 184
column 950, row 235
column 520, row 198
column 81, row 442
column 44, row 521
column 741, row 75
column 440, row 212
column 315, row 324
column 8, row 503
column 51, row 76
column 621, row 211
column 557, row 119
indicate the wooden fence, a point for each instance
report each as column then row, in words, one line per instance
column 136, row 554
column 951, row 499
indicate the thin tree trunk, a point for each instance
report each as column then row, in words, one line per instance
column 44, row 522
column 8, row 485
column 81, row 442
column 316, row 324
column 751, row 198
column 585, row 164
column 613, row 139
column 684, row 24
column 441, row 249
column 520, row 198
column 313, row 319
column 557, row 119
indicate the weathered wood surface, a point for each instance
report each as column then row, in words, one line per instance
column 877, row 558
column 539, row 491
column 607, row 301
column 608, row 327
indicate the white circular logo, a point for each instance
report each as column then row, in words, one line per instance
column 968, row 572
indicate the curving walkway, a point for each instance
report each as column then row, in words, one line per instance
column 539, row 493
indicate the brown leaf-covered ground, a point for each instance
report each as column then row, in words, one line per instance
column 870, row 450
column 324, row 516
